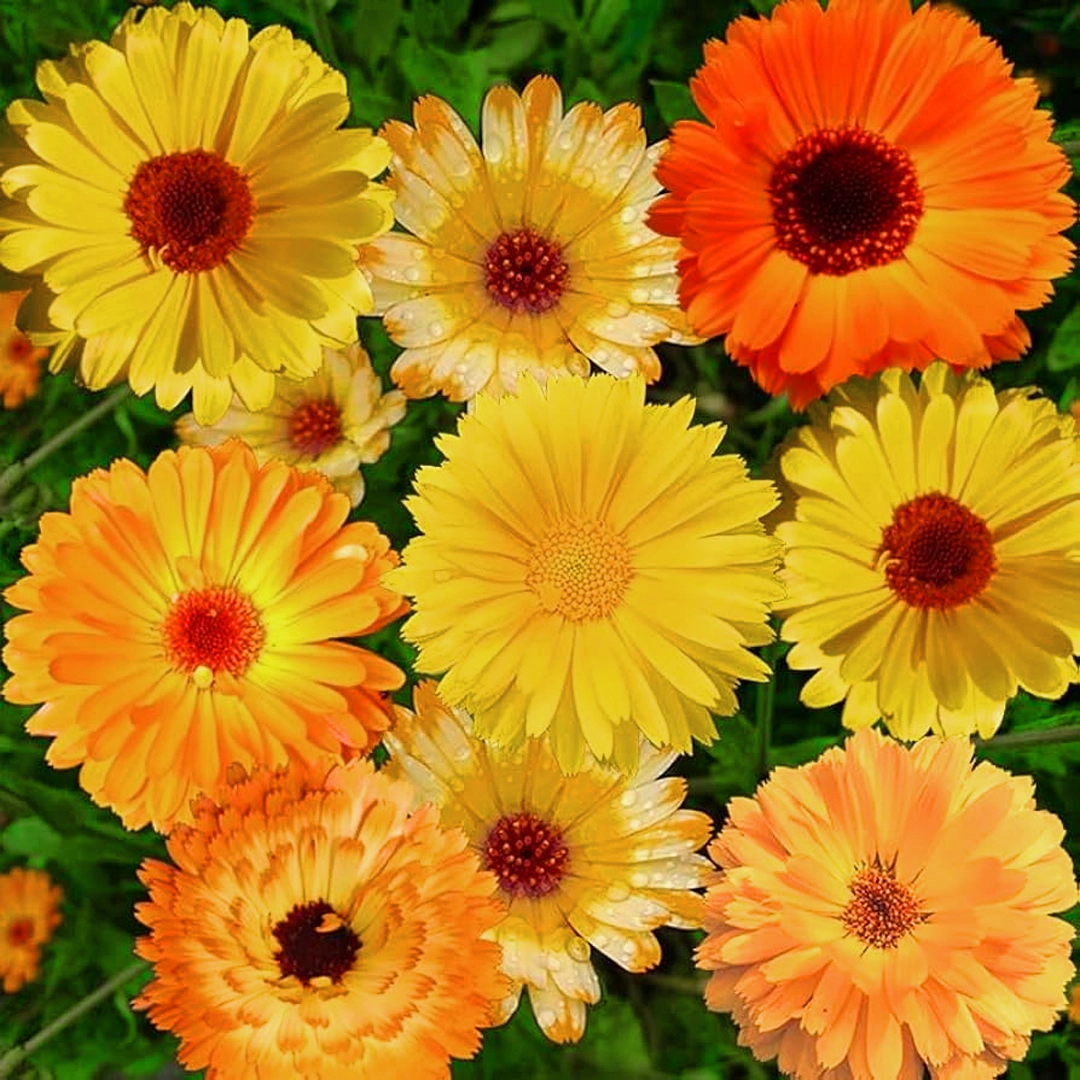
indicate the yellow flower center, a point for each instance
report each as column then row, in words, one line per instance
column 210, row 630
column 881, row 909
column 580, row 569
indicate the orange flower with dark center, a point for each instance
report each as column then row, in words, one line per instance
column 881, row 910
column 315, row 943
column 212, row 630
column 20, row 360
column 29, row 913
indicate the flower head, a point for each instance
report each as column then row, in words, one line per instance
column 332, row 422
column 871, row 188
column 191, row 207
column 932, row 551
column 595, row 859
column 29, row 913
column 312, row 927
column 20, row 360
column 528, row 254
column 595, row 603
column 885, row 908
column 185, row 618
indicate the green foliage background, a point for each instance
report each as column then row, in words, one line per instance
column 648, row 1026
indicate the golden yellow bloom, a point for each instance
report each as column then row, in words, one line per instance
column 20, row 360
column 185, row 618
column 313, row 928
column 29, row 913
column 596, row 859
column 588, row 568
column 192, row 208
column 332, row 423
column 933, row 551
column 528, row 254
column 885, row 909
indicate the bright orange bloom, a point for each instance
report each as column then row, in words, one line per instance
column 872, row 188
column 29, row 913
column 886, row 908
column 313, row 928
column 184, row 618
column 20, row 360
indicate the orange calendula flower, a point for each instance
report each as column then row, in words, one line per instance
column 184, row 618
column 529, row 253
column 29, row 913
column 20, row 359
column 313, row 928
column 597, row 859
column 871, row 187
column 885, row 910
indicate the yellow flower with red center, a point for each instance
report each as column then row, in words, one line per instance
column 596, row 860
column 333, row 422
column 29, row 913
column 191, row 208
column 185, row 618
column 529, row 251
column 313, row 927
column 20, row 360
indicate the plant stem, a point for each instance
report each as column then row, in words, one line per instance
column 764, row 697
column 15, row 1057
column 1036, row 737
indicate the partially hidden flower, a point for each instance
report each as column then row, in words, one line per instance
column 932, row 558
column 191, row 208
column 186, row 618
column 886, row 910
column 870, row 187
column 20, row 359
column 588, row 567
column 529, row 251
column 597, row 859
column 313, row 927
column 29, row 913
column 332, row 422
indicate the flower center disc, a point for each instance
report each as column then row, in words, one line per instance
column 844, row 199
column 881, row 909
column 526, row 854
column 525, row 271
column 315, row 426
column 20, row 932
column 193, row 208
column 315, row 943
column 211, row 630
column 580, row 570
column 17, row 347
column 940, row 555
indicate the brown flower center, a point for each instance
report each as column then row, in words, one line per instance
column 526, row 854
column 20, row 932
column 315, row 426
column 580, row 569
column 939, row 554
column 193, row 208
column 17, row 347
column 211, row 630
column 525, row 271
column 881, row 909
column 315, row 943
column 844, row 199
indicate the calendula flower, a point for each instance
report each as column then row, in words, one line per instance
column 588, row 568
column 191, row 207
column 333, row 422
column 185, row 618
column 20, row 360
column 597, row 859
column 29, row 913
column 870, row 188
column 529, row 253
column 933, row 551
column 885, row 910
column 312, row 927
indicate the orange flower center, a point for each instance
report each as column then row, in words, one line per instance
column 20, row 932
column 193, row 208
column 580, row 569
column 881, row 909
column 18, row 348
column 212, row 630
column 315, row 426
column 939, row 554
column 315, row 943
column 844, row 199
column 526, row 854
column 525, row 271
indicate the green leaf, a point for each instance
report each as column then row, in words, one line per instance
column 511, row 45
column 559, row 13
column 674, row 101
column 30, row 836
column 377, row 25
column 460, row 78
column 1064, row 351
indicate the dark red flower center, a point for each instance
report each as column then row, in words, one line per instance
column 17, row 347
column 938, row 553
column 20, row 932
column 527, row 855
column 315, row 426
column 211, row 630
column 881, row 909
column 192, row 208
column 525, row 271
column 844, row 199
column 315, row 943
